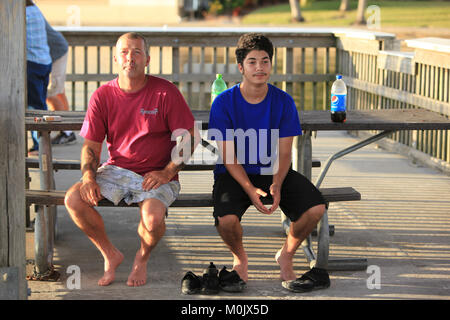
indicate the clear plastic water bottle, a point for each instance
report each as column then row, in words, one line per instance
column 338, row 100
column 217, row 87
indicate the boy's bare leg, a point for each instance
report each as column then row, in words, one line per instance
column 230, row 230
column 298, row 232
column 91, row 223
column 151, row 229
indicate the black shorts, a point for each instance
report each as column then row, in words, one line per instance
column 298, row 195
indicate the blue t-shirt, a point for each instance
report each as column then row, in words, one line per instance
column 255, row 128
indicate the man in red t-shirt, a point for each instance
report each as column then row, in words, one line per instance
column 140, row 116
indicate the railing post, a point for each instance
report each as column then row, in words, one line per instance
column 13, row 64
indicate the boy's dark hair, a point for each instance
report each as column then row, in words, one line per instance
column 252, row 41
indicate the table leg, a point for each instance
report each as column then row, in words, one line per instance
column 46, row 217
column 301, row 162
column 323, row 242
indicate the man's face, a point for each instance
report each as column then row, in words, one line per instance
column 131, row 57
column 256, row 67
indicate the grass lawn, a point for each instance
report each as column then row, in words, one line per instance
column 435, row 14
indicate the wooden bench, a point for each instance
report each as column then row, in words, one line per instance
column 33, row 163
column 43, row 198
column 56, row 197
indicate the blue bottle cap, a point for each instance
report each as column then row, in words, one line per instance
column 338, row 76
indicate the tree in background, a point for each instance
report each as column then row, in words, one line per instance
column 362, row 4
column 295, row 10
column 344, row 6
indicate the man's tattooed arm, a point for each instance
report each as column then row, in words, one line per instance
column 90, row 158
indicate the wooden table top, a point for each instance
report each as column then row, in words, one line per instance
column 386, row 119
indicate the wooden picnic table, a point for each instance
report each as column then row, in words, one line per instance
column 386, row 120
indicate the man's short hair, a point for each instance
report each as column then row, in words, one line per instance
column 252, row 41
column 136, row 35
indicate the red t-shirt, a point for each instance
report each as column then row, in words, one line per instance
column 138, row 126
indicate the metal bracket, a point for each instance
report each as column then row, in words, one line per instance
column 348, row 150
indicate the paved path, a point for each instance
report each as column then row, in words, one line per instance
column 402, row 225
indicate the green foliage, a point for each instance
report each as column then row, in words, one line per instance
column 217, row 7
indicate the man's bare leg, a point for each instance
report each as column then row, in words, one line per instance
column 230, row 230
column 91, row 223
column 298, row 232
column 151, row 229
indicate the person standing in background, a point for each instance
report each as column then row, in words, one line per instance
column 39, row 64
column 56, row 96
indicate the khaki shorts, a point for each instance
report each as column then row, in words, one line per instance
column 57, row 77
column 117, row 183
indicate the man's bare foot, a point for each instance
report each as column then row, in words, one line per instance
column 111, row 264
column 138, row 275
column 241, row 269
column 286, row 266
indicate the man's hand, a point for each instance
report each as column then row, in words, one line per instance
column 275, row 191
column 254, row 195
column 90, row 192
column 154, row 179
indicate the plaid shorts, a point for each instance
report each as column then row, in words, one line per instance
column 117, row 183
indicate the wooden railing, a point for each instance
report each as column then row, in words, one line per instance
column 305, row 63
column 379, row 75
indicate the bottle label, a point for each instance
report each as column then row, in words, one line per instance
column 338, row 102
column 214, row 95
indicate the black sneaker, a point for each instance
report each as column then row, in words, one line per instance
column 314, row 279
column 230, row 281
column 210, row 280
column 63, row 138
column 191, row 283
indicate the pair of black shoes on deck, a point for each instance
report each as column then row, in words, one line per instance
column 212, row 281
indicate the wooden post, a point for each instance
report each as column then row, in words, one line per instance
column 13, row 284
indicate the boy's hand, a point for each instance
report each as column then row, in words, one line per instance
column 255, row 195
column 275, row 191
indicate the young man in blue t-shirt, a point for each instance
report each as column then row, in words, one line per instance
column 254, row 124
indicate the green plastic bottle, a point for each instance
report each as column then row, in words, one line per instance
column 217, row 87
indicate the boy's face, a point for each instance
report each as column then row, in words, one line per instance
column 256, row 67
